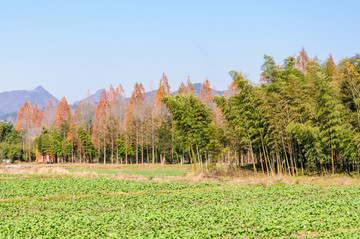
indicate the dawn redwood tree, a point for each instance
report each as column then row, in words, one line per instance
column 85, row 114
column 302, row 60
column 162, row 91
column 134, row 117
column 29, row 121
column 206, row 93
column 84, row 117
column 23, row 124
column 331, row 70
column 62, row 123
column 50, row 114
column 63, row 117
column 182, row 88
column 189, row 87
column 100, row 132
column 115, row 116
column 112, row 115
column 72, row 138
column 160, row 116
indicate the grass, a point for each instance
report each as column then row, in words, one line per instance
column 149, row 171
column 98, row 171
column 156, row 173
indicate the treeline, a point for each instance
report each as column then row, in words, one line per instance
column 303, row 116
column 10, row 142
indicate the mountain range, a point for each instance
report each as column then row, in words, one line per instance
column 11, row 101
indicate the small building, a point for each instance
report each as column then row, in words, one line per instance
column 45, row 159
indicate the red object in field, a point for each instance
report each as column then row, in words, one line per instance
column 45, row 159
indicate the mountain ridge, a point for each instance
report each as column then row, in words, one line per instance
column 11, row 101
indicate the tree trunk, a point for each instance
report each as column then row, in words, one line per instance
column 153, row 152
column 137, row 146
column 251, row 151
column 286, row 157
column 112, row 150
column 117, row 154
column 261, row 162
column 126, row 154
column 332, row 158
column 262, row 143
column 104, row 150
column 142, row 153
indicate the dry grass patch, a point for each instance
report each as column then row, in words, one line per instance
column 251, row 178
column 44, row 170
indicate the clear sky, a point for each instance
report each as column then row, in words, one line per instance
column 72, row 46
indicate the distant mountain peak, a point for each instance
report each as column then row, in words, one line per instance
column 11, row 101
column 40, row 88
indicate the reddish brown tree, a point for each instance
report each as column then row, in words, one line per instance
column 189, row 87
column 83, row 117
column 29, row 122
column 100, row 129
column 206, row 94
column 23, row 124
column 159, row 113
column 50, row 113
column 134, row 117
column 164, row 89
column 302, row 60
column 115, row 116
column 232, row 89
column 332, row 71
column 182, row 89
column 72, row 138
column 63, row 116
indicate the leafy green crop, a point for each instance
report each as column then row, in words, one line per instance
column 181, row 210
column 83, row 186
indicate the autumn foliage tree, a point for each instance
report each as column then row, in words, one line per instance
column 99, row 134
column 29, row 121
column 63, row 117
column 134, row 117
column 206, row 93
column 160, row 117
column 50, row 113
column 302, row 60
column 114, row 118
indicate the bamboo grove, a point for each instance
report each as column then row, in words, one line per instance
column 303, row 116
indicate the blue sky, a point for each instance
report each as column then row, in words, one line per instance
column 72, row 46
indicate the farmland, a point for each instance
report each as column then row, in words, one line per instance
column 91, row 203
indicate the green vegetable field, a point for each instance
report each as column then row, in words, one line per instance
column 103, row 207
